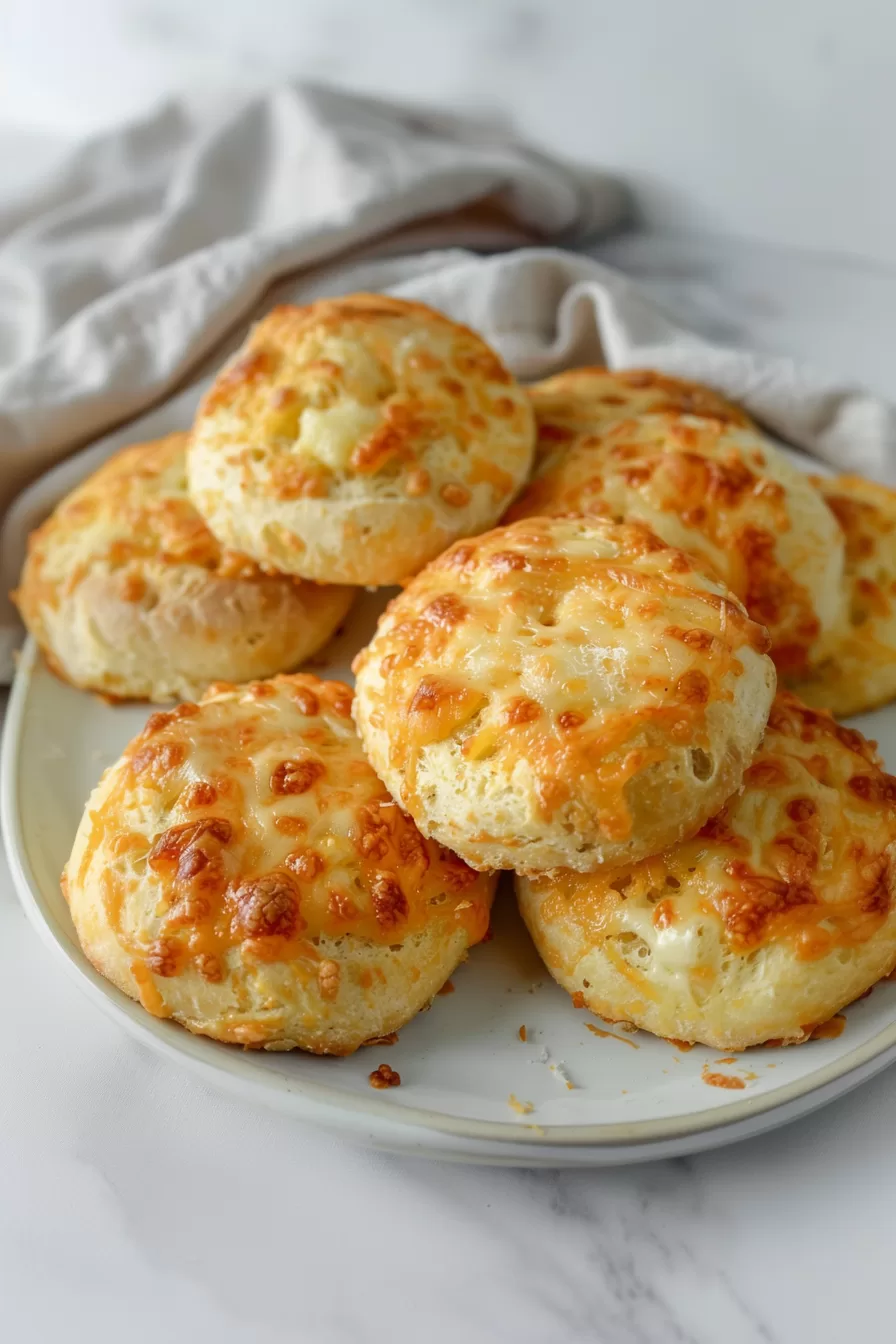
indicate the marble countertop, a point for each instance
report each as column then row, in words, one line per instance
column 198, row 1218
column 137, row 1204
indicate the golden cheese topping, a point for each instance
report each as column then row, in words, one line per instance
column 579, row 401
column 128, row 592
column 352, row 440
column 724, row 494
column 242, row 869
column 770, row 919
column 560, row 692
column 859, row 672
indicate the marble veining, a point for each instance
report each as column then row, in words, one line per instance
column 137, row 1204
column 160, row 1209
column 157, row 1209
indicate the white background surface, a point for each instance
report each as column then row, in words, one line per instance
column 772, row 119
column 134, row 1203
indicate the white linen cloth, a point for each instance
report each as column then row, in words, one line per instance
column 134, row 267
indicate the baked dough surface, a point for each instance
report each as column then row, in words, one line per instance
column 859, row 673
column 351, row 441
column 562, row 692
column 777, row 914
column 242, row 870
column 128, row 593
column 723, row 493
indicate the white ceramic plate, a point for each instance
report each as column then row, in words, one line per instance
column 632, row 1096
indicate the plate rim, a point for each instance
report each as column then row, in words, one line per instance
column 196, row 1052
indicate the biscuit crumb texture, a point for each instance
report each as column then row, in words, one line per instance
column 563, row 692
column 352, row 440
column 129, row 594
column 718, row 490
column 778, row 913
column 384, row 1076
column 242, row 870
column 859, row 672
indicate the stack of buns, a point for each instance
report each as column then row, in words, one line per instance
column 605, row 578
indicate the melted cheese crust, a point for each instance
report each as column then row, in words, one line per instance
column 724, row 494
column 578, row 401
column 352, row 440
column 859, row 673
column 560, row 692
column 774, row 916
column 243, row 870
column 128, row 592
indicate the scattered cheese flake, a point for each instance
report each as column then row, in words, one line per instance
column 610, row 1035
column 730, row 1080
column 559, row 1071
